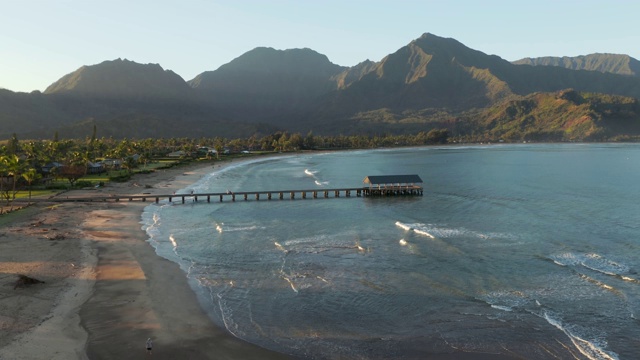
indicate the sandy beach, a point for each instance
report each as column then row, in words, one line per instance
column 105, row 291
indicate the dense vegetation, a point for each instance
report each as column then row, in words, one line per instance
column 24, row 164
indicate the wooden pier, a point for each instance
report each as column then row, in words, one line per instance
column 252, row 195
column 388, row 185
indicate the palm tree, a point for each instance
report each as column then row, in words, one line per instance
column 3, row 172
column 30, row 176
column 11, row 167
column 130, row 163
column 219, row 146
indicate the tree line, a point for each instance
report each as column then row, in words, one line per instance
column 22, row 162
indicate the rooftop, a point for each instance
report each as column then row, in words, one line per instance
column 392, row 179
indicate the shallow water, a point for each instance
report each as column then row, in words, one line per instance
column 529, row 250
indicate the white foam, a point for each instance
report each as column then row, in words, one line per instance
column 564, row 259
column 506, row 300
column 434, row 232
column 599, row 283
column 291, row 284
column 628, row 278
column 279, row 247
column 417, row 228
column 404, row 226
column 221, row 227
column 423, row 232
column 589, row 348
column 591, row 261
column 243, row 228
column 598, row 263
column 503, row 308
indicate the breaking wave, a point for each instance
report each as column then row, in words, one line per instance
column 591, row 348
column 433, row 231
column 221, row 227
column 591, row 343
column 594, row 262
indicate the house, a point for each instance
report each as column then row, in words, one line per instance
column 95, row 168
column 50, row 167
column 115, row 164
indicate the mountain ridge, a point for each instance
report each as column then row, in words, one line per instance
column 603, row 62
column 425, row 84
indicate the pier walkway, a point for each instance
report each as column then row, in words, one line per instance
column 251, row 195
column 379, row 186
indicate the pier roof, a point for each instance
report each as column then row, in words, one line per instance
column 392, row 179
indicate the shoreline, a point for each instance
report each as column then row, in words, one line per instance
column 106, row 290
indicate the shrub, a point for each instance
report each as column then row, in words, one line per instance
column 120, row 178
column 57, row 186
column 83, row 184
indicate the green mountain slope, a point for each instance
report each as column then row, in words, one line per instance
column 563, row 116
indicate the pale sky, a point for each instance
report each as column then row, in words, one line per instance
column 43, row 40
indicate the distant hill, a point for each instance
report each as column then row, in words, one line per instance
column 119, row 78
column 431, row 83
column 265, row 83
column 609, row 63
column 26, row 112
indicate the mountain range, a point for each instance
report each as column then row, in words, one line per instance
column 432, row 82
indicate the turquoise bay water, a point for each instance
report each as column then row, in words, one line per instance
column 526, row 250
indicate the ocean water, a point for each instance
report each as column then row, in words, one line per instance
column 522, row 250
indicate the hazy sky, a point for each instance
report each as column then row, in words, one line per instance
column 43, row 40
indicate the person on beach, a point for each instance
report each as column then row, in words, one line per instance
column 149, row 346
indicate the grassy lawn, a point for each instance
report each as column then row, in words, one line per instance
column 35, row 193
column 58, row 184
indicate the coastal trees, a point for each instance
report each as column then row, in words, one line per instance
column 74, row 155
column 437, row 136
column 3, row 174
column 13, row 145
column 30, row 176
column 75, row 164
column 218, row 144
column 10, row 167
column 130, row 163
column 72, row 173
